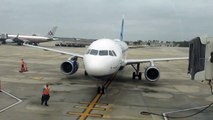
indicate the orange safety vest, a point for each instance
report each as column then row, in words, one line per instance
column 46, row 91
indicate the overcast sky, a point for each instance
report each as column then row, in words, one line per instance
column 166, row 20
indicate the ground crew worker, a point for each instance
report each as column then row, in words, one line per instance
column 23, row 66
column 210, row 84
column 45, row 95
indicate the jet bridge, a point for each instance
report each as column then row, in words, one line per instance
column 200, row 65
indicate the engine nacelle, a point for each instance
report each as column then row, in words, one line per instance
column 152, row 73
column 15, row 40
column 69, row 67
column 9, row 41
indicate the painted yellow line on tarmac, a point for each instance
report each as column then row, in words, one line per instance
column 90, row 107
column 96, row 108
column 100, row 104
column 80, row 114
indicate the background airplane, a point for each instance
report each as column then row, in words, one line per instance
column 30, row 39
column 105, row 57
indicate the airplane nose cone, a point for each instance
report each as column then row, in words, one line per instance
column 97, row 67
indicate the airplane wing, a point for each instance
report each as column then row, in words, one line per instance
column 54, row 50
column 20, row 40
column 136, row 61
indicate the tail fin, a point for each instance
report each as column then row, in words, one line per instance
column 122, row 29
column 51, row 33
column 17, row 35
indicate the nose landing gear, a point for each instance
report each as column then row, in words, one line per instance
column 101, row 90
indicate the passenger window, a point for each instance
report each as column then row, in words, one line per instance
column 110, row 53
column 114, row 53
column 93, row 52
column 103, row 52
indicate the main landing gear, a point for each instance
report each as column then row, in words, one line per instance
column 137, row 72
column 32, row 43
column 85, row 73
column 35, row 44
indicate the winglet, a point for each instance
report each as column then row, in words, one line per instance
column 122, row 29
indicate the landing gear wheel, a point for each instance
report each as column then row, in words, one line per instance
column 139, row 76
column 133, row 75
column 4, row 42
column 101, row 90
column 137, row 72
column 35, row 44
column 85, row 73
column 19, row 43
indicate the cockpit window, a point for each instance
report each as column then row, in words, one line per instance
column 93, row 52
column 103, row 52
column 110, row 53
column 114, row 53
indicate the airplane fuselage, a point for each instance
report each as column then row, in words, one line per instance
column 105, row 57
column 33, row 39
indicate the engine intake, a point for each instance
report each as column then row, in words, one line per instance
column 152, row 73
column 69, row 67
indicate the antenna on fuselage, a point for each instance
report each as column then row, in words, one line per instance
column 122, row 29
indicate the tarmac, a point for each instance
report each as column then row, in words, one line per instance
column 124, row 99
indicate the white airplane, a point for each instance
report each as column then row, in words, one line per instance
column 30, row 39
column 104, row 57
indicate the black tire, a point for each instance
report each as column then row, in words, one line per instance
column 133, row 75
column 139, row 76
column 103, row 90
column 4, row 42
column 99, row 90
column 19, row 43
column 85, row 73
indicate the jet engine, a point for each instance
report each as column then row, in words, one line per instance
column 69, row 67
column 15, row 40
column 152, row 73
